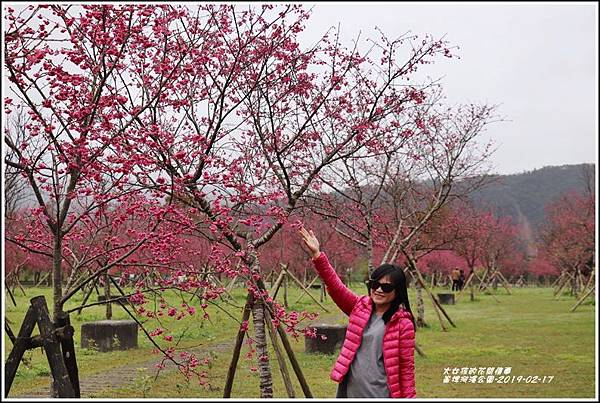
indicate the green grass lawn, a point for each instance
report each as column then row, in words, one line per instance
column 528, row 331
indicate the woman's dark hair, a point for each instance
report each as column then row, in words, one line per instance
column 397, row 278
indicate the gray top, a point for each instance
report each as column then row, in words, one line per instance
column 367, row 377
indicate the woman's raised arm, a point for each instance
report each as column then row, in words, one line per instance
column 343, row 297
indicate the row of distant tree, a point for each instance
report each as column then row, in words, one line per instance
column 463, row 236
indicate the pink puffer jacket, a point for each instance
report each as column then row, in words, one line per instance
column 398, row 339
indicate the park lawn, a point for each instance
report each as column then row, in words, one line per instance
column 528, row 331
column 192, row 333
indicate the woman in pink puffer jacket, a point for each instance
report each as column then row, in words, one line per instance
column 377, row 356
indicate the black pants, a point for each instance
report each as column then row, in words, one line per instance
column 455, row 285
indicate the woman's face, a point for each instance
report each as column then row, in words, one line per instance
column 382, row 298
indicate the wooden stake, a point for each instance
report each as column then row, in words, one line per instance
column 465, row 285
column 563, row 284
column 278, row 353
column 560, row 286
column 559, row 281
column 9, row 333
column 68, row 352
column 277, row 284
column 505, row 283
column 10, row 294
column 556, row 281
column 19, row 348
column 483, row 278
column 288, row 348
column 302, row 286
column 582, row 298
column 19, row 284
column 294, row 362
column 285, row 288
column 42, row 279
column 419, row 351
column 305, row 289
column 485, row 286
column 60, row 376
column 440, row 307
column 87, row 295
column 587, row 284
column 237, row 348
column 231, row 283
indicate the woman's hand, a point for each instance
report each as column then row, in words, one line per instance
column 311, row 241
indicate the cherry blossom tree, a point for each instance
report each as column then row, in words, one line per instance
column 282, row 249
column 541, row 268
column 252, row 120
column 488, row 242
column 65, row 65
column 441, row 261
column 504, row 252
column 467, row 224
column 567, row 238
column 399, row 191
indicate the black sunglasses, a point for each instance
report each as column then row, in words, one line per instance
column 385, row 287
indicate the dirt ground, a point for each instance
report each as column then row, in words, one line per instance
column 120, row 377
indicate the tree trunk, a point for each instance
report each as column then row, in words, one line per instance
column 420, row 306
column 264, row 368
column 107, row 296
column 57, row 277
column 370, row 267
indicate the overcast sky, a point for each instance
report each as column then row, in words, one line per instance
column 538, row 60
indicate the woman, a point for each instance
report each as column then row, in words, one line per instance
column 377, row 356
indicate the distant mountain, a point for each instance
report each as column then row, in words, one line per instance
column 523, row 196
